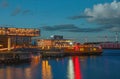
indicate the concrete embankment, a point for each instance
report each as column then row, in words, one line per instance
column 16, row 57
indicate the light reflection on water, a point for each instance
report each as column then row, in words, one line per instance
column 46, row 70
column 74, row 70
column 70, row 69
column 83, row 67
column 22, row 71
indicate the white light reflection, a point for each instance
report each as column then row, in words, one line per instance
column 70, row 69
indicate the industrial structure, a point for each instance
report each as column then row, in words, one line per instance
column 11, row 38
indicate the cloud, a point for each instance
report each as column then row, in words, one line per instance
column 70, row 28
column 26, row 12
column 4, row 3
column 16, row 11
column 7, row 25
column 107, row 15
column 59, row 27
column 86, row 30
column 79, row 16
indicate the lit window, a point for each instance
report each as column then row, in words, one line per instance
column 81, row 49
column 94, row 49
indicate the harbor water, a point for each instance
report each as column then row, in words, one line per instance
column 106, row 66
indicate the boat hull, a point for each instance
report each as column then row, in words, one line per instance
column 65, row 54
column 83, row 53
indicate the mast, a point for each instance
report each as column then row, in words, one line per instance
column 106, row 39
column 116, row 37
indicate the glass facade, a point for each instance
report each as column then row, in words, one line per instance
column 19, row 31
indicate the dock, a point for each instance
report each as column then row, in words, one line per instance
column 16, row 57
column 23, row 57
column 65, row 54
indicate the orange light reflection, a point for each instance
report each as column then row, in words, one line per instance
column 46, row 70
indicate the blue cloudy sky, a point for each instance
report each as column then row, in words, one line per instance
column 81, row 20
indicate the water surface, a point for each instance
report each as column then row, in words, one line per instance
column 106, row 66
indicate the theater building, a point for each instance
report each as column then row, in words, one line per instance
column 11, row 38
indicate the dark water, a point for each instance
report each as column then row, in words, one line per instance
column 106, row 66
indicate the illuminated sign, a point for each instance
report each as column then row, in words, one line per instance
column 19, row 31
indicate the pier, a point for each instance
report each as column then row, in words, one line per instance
column 15, row 57
column 65, row 54
column 21, row 57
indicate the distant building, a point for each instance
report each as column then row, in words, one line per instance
column 57, row 37
column 11, row 38
column 105, row 45
column 110, row 45
column 57, row 42
column 44, row 42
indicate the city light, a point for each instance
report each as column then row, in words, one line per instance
column 71, row 43
column 19, row 31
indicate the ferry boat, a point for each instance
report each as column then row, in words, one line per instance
column 84, row 50
column 76, row 50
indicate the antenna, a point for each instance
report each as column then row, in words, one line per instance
column 116, row 37
column 86, row 39
column 106, row 38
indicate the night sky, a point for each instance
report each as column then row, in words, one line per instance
column 81, row 20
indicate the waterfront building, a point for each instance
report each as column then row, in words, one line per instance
column 105, row 45
column 57, row 42
column 44, row 43
column 11, row 38
column 110, row 45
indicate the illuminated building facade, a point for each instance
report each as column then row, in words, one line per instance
column 11, row 38
column 44, row 43
column 62, row 43
column 56, row 42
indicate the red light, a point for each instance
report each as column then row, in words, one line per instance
column 77, row 70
